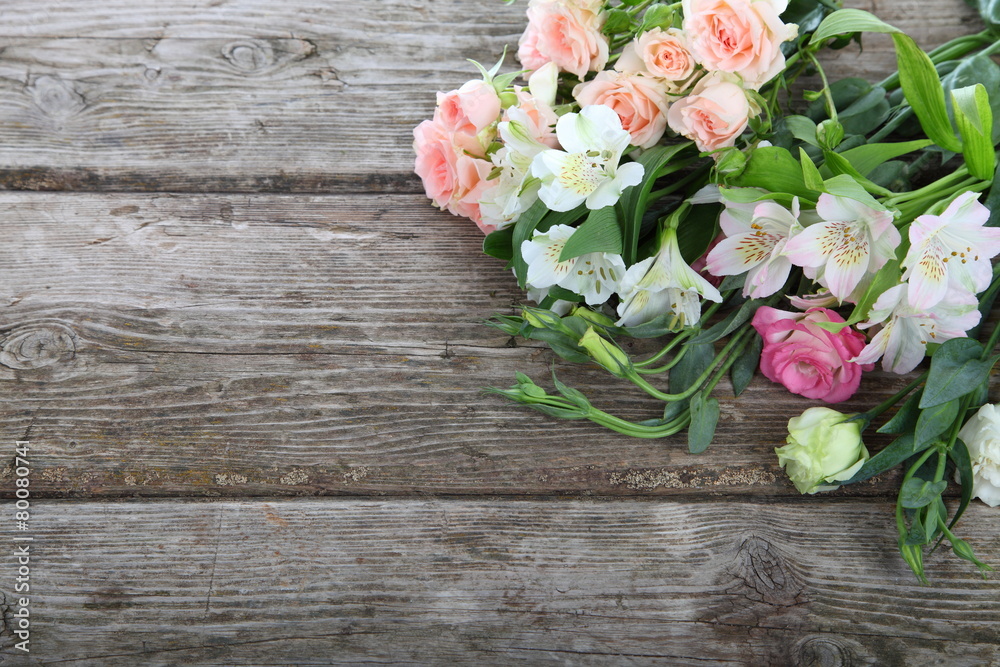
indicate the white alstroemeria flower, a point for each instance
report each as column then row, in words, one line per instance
column 515, row 190
column 587, row 171
column 661, row 284
column 950, row 251
column 595, row 276
column 906, row 331
column 756, row 237
column 852, row 241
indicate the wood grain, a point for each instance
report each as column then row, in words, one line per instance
column 164, row 345
column 497, row 582
column 247, row 96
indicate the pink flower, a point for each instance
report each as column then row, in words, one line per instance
column 807, row 359
column 452, row 178
column 566, row 32
column 640, row 102
column 713, row 115
column 663, row 54
column 739, row 36
column 470, row 109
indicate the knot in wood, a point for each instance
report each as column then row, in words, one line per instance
column 249, row 55
column 36, row 346
column 826, row 651
column 56, row 97
column 764, row 573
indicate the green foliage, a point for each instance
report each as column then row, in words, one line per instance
column 923, row 90
column 956, row 369
column 704, row 418
column 600, row 232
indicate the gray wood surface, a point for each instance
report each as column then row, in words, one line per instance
column 496, row 582
column 232, row 286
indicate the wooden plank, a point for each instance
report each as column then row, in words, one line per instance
column 164, row 345
column 341, row 581
column 252, row 95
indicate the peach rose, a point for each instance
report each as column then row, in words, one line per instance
column 565, row 32
column 739, row 36
column 659, row 53
column 470, row 109
column 452, row 178
column 470, row 182
column 713, row 115
column 640, row 102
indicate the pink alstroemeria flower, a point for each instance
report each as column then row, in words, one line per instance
column 950, row 251
column 853, row 240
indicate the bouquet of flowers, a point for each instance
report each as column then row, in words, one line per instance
column 651, row 180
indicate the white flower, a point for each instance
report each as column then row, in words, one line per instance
column 661, row 284
column 952, row 250
column 852, row 241
column 515, row 190
column 595, row 276
column 587, row 171
column 981, row 434
column 756, row 235
column 906, row 331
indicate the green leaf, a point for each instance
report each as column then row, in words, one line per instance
column 865, row 113
column 974, row 118
column 839, row 165
column 923, row 90
column 573, row 395
column 499, row 244
column 956, row 369
column 704, row 418
column 598, row 233
column 959, row 454
column 696, row 360
column 866, row 158
column 616, row 21
column 810, row 174
column 775, row 170
column 993, row 201
column 934, row 421
column 845, row 21
column 697, row 230
column 918, row 492
column 846, row 186
column 731, row 323
column 990, row 11
column 745, row 366
column 898, row 451
column 888, row 276
column 905, row 419
column 634, row 200
column 970, row 71
column 802, row 128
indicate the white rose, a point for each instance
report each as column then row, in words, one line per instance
column 981, row 434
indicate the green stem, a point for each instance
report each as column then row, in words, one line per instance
column 831, row 107
column 932, row 188
column 721, row 372
column 641, row 382
column 665, row 367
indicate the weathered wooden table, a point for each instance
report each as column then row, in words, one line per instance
column 246, row 353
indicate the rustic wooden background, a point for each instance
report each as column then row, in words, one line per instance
column 247, row 353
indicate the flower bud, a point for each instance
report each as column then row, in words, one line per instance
column 823, row 447
column 731, row 162
column 540, row 318
column 829, row 133
column 592, row 316
column 606, row 353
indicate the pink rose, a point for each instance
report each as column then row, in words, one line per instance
column 452, row 178
column 660, row 54
column 807, row 359
column 470, row 182
column 640, row 102
column 470, row 109
column 565, row 32
column 739, row 36
column 713, row 115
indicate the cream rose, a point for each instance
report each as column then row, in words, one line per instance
column 713, row 115
column 823, row 448
column 981, row 434
column 566, row 33
column 640, row 102
column 663, row 54
column 739, row 36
